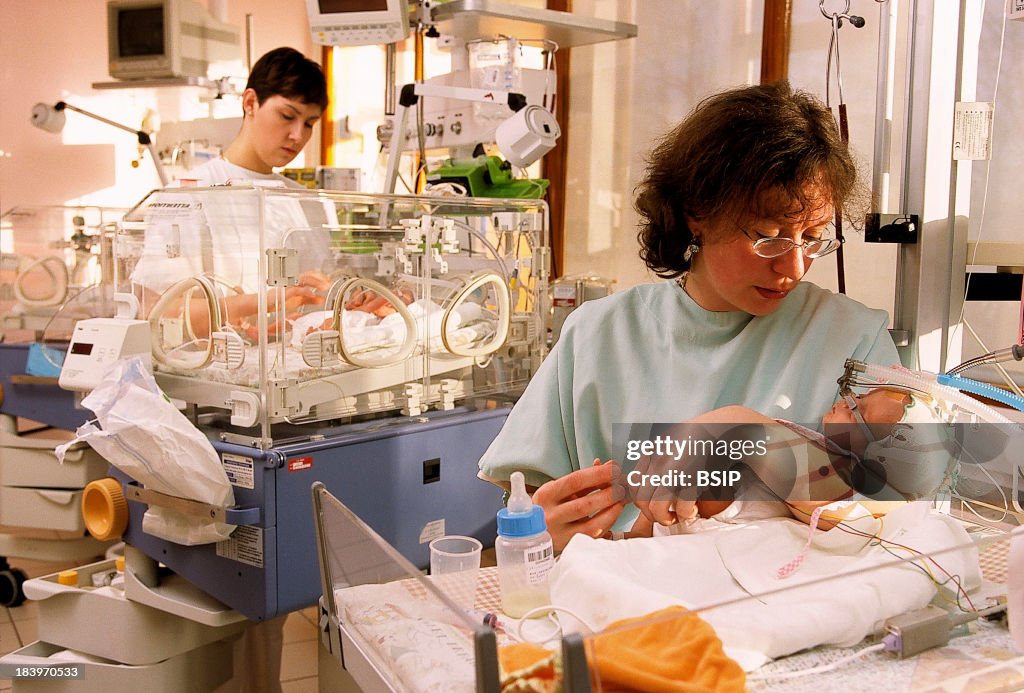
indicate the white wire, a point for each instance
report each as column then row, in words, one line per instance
column 1002, row 371
column 833, row 48
column 955, row 494
column 819, row 669
column 549, row 609
column 448, row 189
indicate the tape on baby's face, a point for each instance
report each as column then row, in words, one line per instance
column 916, row 458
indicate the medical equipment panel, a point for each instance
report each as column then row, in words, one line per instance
column 277, row 305
column 56, row 266
column 356, row 24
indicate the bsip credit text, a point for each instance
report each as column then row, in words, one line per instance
column 675, row 478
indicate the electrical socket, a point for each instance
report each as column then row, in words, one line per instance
column 891, row 228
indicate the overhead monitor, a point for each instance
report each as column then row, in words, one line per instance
column 150, row 39
column 358, row 22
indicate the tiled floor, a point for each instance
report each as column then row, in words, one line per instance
column 18, row 627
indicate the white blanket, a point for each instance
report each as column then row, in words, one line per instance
column 734, row 570
column 423, row 648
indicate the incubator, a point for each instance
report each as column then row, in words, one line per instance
column 278, row 307
column 893, row 595
column 56, row 266
column 372, row 343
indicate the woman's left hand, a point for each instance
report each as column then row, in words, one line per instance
column 586, row 501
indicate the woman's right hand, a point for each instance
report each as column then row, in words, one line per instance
column 586, row 500
column 370, row 301
column 664, row 505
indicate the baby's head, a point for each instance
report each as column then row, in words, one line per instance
column 881, row 406
column 911, row 448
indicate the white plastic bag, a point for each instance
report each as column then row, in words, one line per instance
column 142, row 434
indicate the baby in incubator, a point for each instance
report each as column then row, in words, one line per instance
column 899, row 451
column 373, row 320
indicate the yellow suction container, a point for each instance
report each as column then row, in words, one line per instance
column 104, row 509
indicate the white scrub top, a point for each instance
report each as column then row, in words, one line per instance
column 221, row 238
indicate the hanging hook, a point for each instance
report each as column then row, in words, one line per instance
column 833, row 50
column 838, row 17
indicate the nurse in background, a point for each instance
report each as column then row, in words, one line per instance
column 735, row 205
column 284, row 98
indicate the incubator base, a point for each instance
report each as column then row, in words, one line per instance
column 40, row 500
column 412, row 479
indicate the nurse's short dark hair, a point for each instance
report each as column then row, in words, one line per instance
column 287, row 72
column 732, row 154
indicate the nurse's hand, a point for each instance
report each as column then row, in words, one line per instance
column 665, row 505
column 586, row 500
column 308, row 291
column 370, row 301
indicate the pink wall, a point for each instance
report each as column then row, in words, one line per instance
column 54, row 50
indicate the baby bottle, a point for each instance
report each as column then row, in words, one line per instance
column 524, row 552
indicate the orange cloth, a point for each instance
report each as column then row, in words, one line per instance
column 668, row 650
column 528, row 668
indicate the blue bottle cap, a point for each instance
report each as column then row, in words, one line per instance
column 521, row 524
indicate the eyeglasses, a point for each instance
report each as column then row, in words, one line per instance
column 813, row 248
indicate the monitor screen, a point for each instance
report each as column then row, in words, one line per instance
column 140, row 31
column 333, row 6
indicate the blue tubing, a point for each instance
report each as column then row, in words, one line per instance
column 984, row 389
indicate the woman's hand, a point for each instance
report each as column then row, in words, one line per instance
column 665, row 505
column 586, row 500
column 315, row 280
column 370, row 301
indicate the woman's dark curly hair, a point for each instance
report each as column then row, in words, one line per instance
column 731, row 150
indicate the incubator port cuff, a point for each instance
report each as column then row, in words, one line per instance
column 104, row 509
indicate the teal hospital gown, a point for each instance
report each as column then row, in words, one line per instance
column 650, row 354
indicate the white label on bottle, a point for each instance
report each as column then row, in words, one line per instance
column 539, row 562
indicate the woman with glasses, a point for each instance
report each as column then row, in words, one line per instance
column 735, row 206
